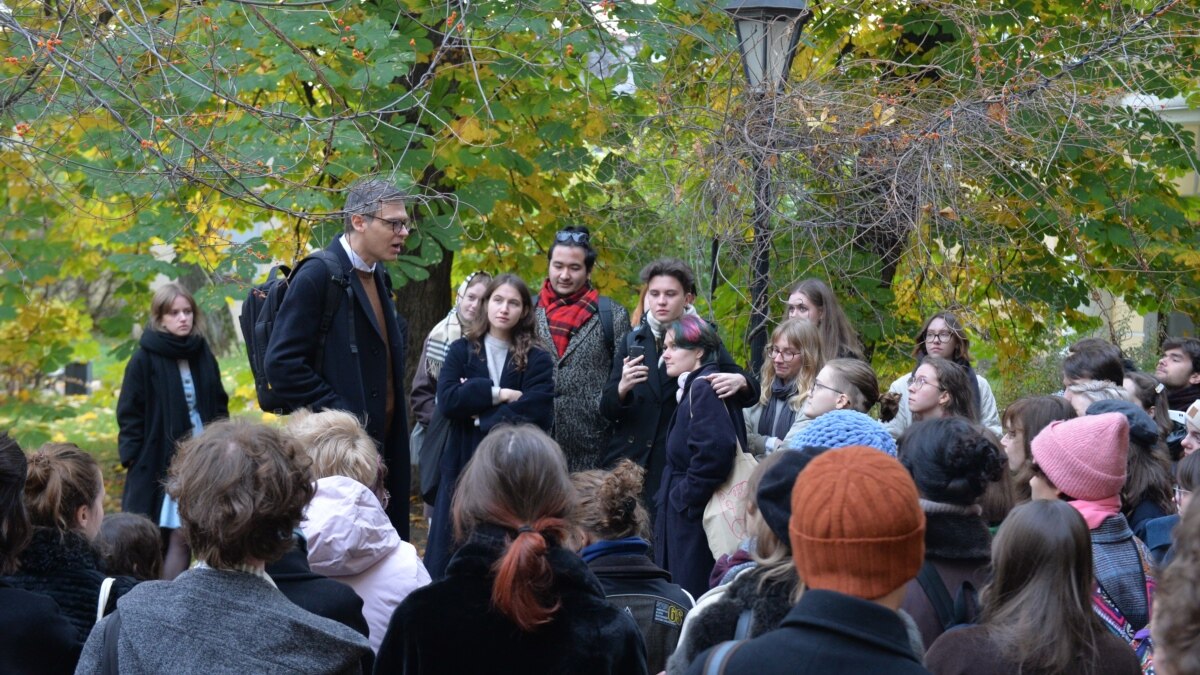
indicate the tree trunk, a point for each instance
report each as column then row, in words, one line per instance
column 422, row 304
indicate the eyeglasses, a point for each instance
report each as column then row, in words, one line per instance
column 578, row 237
column 785, row 354
column 944, row 336
column 1180, row 493
column 918, row 383
column 398, row 224
column 817, row 385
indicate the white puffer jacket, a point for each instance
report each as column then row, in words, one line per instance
column 350, row 539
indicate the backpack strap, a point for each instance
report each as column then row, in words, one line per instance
column 605, row 309
column 108, row 657
column 719, row 657
column 333, row 291
column 102, row 599
column 742, row 631
column 935, row 589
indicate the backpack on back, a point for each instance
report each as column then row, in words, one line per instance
column 261, row 307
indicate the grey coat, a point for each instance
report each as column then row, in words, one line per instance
column 210, row 621
column 579, row 378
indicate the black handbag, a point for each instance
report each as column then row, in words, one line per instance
column 436, row 437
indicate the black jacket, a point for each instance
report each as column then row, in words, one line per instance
column 634, row 584
column 152, row 412
column 960, row 549
column 827, row 632
column 34, row 637
column 451, row 627
column 717, row 622
column 461, row 402
column 319, row 594
column 641, row 420
column 354, row 383
column 67, row 569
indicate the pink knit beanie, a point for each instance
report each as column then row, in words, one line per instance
column 1085, row 457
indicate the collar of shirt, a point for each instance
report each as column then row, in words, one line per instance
column 358, row 263
column 248, row 569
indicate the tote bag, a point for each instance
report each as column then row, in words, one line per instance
column 725, row 514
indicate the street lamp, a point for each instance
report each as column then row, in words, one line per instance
column 768, row 34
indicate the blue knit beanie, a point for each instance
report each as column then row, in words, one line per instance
column 843, row 428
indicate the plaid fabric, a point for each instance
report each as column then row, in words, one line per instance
column 565, row 316
column 1106, row 606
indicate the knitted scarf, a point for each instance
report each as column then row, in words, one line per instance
column 777, row 426
column 445, row 332
column 166, row 351
column 565, row 315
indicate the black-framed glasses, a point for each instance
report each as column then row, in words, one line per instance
column 939, row 338
column 786, row 354
column 563, row 236
column 817, row 385
column 918, row 382
column 398, row 224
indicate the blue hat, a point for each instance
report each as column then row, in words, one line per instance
column 843, row 428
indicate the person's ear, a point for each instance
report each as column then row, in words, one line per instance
column 689, row 298
column 1194, row 378
column 944, row 399
column 82, row 515
column 358, row 222
column 843, row 402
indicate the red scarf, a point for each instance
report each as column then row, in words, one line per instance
column 566, row 316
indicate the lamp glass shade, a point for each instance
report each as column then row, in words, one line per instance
column 767, row 37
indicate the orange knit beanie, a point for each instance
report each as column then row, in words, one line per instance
column 857, row 526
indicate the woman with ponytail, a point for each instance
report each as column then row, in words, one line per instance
column 171, row 391
column 513, row 599
column 64, row 496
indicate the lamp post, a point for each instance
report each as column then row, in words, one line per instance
column 768, row 33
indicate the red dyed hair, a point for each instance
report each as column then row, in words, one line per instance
column 518, row 480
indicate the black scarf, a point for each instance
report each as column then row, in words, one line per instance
column 768, row 423
column 1181, row 398
column 165, row 350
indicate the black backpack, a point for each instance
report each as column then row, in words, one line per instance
column 258, row 320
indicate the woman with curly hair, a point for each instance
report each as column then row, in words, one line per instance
column 514, row 599
column 953, row 463
column 498, row 372
column 241, row 489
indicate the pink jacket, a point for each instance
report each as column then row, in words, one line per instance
column 350, row 539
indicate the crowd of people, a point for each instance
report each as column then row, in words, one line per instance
column 577, row 460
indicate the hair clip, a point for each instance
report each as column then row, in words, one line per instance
column 1158, row 388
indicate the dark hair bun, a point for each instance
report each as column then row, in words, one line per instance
column 951, row 460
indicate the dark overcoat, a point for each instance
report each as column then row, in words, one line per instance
column 451, row 626
column 701, row 442
column 641, row 420
column 152, row 417
column 35, row 639
column 464, row 401
column 354, row 382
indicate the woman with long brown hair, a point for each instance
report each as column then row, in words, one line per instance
column 1024, row 418
column 1037, row 612
column 813, row 300
column 497, row 373
column 514, row 599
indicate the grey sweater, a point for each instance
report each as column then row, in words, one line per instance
column 212, row 621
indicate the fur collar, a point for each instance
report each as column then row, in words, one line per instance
column 957, row 537
column 488, row 542
column 51, row 551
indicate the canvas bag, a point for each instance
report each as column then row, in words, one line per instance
column 725, row 514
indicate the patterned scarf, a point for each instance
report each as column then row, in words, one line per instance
column 445, row 332
column 566, row 315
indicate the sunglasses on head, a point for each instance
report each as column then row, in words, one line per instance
column 578, row 237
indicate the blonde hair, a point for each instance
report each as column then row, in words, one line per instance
column 337, row 445
column 804, row 337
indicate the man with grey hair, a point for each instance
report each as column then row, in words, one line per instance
column 358, row 364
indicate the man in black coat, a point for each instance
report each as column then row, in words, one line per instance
column 362, row 370
column 858, row 537
column 639, row 397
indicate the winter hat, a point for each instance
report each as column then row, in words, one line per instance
column 1142, row 428
column 774, row 496
column 950, row 460
column 856, row 527
column 1085, row 457
column 843, row 428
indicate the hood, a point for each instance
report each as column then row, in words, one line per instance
column 346, row 528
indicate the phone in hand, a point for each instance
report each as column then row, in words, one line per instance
column 636, row 351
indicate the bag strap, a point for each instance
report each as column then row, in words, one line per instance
column 935, row 590
column 102, row 601
column 337, row 274
column 742, row 631
column 108, row 657
column 719, row 657
column 605, row 309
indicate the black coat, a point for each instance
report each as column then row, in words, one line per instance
column 319, row 594
column 461, row 403
column 701, row 441
column 356, row 384
column 827, row 632
column 451, row 627
column 152, row 412
column 960, row 548
column 67, row 569
column 34, row 637
column 641, row 420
